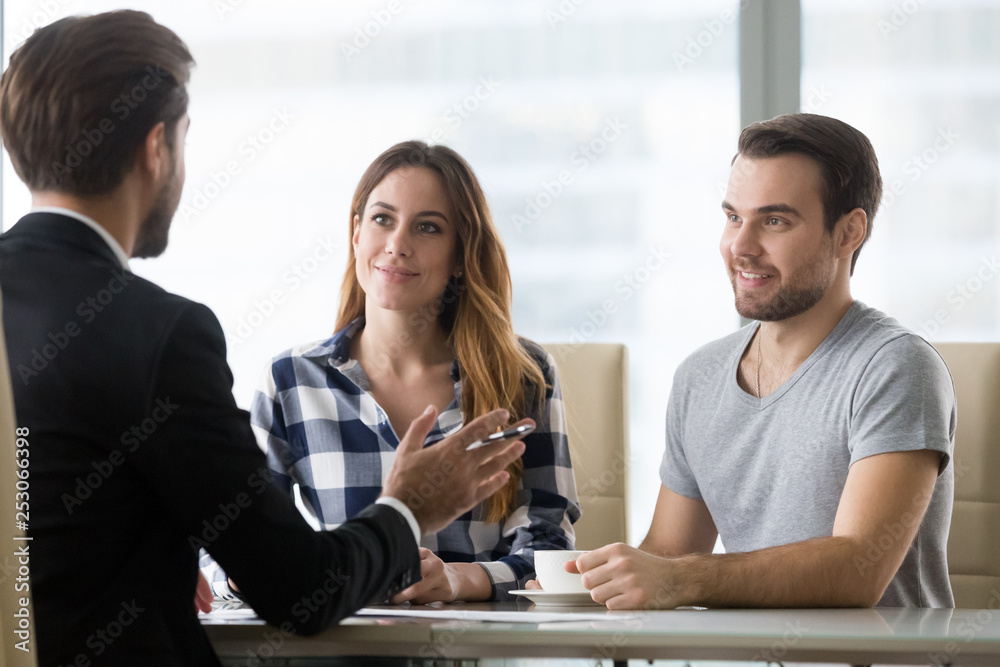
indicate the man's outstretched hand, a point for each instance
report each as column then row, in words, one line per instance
column 441, row 482
column 203, row 595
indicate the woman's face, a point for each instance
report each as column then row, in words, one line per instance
column 405, row 241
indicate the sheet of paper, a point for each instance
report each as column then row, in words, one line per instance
column 444, row 614
column 447, row 614
column 246, row 614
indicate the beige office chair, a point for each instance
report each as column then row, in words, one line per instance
column 9, row 597
column 594, row 381
column 974, row 542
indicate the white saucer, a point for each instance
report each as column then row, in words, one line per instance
column 546, row 599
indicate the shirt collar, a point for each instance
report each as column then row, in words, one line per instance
column 101, row 231
column 338, row 349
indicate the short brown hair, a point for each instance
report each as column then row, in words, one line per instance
column 81, row 95
column 847, row 161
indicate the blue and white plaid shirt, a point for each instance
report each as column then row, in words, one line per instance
column 322, row 430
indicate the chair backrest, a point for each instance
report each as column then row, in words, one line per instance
column 594, row 382
column 974, row 541
column 12, row 612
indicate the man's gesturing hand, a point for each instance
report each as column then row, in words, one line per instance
column 440, row 482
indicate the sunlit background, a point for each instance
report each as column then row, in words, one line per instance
column 637, row 101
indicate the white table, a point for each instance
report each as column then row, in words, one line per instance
column 852, row 636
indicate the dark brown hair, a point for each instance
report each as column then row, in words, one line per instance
column 495, row 369
column 846, row 159
column 81, row 95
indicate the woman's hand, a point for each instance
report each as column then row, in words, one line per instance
column 439, row 582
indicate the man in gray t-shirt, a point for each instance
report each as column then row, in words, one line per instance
column 772, row 470
column 815, row 441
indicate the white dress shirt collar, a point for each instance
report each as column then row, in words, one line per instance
column 101, row 231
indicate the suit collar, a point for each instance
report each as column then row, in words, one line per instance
column 112, row 242
column 63, row 230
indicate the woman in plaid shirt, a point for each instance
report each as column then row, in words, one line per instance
column 424, row 319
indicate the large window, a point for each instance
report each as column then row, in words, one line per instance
column 602, row 132
column 922, row 80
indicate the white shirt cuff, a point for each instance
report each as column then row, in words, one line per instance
column 400, row 506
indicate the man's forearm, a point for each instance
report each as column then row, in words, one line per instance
column 651, row 547
column 815, row 573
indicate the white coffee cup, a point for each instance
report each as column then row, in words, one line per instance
column 552, row 577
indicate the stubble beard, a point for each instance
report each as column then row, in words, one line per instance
column 794, row 298
column 154, row 231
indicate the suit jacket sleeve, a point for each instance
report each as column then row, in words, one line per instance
column 203, row 464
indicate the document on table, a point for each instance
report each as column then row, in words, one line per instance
column 443, row 613
column 449, row 614
column 230, row 614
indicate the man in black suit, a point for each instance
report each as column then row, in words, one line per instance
column 138, row 454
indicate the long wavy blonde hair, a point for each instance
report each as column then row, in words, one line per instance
column 474, row 310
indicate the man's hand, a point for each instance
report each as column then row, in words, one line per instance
column 622, row 577
column 203, row 595
column 441, row 482
column 883, row 503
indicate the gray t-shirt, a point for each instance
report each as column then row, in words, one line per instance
column 772, row 470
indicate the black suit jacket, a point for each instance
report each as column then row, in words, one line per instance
column 139, row 456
